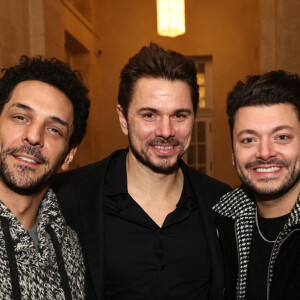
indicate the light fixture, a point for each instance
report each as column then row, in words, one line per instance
column 170, row 17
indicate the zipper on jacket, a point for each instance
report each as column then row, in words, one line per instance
column 239, row 263
column 268, row 274
column 218, row 236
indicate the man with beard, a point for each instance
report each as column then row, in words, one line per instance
column 43, row 113
column 143, row 217
column 259, row 222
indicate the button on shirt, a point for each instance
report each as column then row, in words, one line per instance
column 145, row 261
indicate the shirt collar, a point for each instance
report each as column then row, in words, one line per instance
column 116, row 177
column 116, row 183
column 187, row 198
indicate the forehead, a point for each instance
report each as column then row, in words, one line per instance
column 260, row 118
column 42, row 98
column 161, row 93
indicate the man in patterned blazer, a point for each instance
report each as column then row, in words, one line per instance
column 43, row 113
column 259, row 222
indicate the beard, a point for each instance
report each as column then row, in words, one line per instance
column 19, row 178
column 164, row 166
column 268, row 191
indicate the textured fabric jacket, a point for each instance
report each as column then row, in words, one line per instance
column 80, row 194
column 56, row 271
column 235, row 222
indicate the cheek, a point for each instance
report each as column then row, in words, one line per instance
column 244, row 154
column 239, row 158
column 141, row 131
column 10, row 141
column 294, row 153
column 185, row 133
column 54, row 151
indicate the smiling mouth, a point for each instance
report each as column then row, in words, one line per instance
column 164, row 147
column 26, row 159
column 267, row 170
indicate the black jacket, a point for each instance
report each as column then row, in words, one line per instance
column 80, row 194
column 235, row 221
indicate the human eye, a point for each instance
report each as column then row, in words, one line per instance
column 148, row 116
column 247, row 140
column 19, row 118
column 283, row 138
column 180, row 116
column 54, row 131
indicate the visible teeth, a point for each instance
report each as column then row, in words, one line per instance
column 265, row 170
column 27, row 159
column 164, row 147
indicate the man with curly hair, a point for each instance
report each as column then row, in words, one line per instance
column 43, row 114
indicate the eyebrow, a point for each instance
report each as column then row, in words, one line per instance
column 282, row 127
column 23, row 106
column 254, row 132
column 148, row 109
column 181, row 110
column 53, row 118
column 60, row 121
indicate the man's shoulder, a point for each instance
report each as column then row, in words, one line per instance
column 80, row 190
column 198, row 178
column 94, row 171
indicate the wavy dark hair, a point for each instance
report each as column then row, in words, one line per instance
column 271, row 88
column 57, row 74
column 155, row 62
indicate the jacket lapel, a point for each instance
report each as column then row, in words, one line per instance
column 92, row 220
column 93, row 239
column 204, row 198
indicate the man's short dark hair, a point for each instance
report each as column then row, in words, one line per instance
column 57, row 74
column 275, row 87
column 154, row 62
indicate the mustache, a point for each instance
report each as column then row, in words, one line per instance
column 26, row 149
column 161, row 141
column 259, row 162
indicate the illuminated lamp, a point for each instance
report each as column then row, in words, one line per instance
column 170, row 17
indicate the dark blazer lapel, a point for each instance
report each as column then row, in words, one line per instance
column 93, row 234
column 92, row 220
column 205, row 193
column 80, row 195
column 91, row 212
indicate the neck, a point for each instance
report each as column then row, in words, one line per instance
column 23, row 207
column 278, row 206
column 152, row 185
column 156, row 193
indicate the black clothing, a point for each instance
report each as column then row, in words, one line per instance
column 235, row 220
column 175, row 261
column 260, row 256
column 80, row 193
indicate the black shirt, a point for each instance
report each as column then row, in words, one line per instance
column 144, row 261
column 260, row 256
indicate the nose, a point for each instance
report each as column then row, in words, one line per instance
column 165, row 128
column 265, row 150
column 33, row 135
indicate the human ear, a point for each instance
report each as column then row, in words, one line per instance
column 68, row 159
column 122, row 119
column 232, row 159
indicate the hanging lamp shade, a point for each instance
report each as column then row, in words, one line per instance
column 170, row 17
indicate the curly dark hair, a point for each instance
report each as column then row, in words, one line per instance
column 271, row 88
column 57, row 74
column 155, row 62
